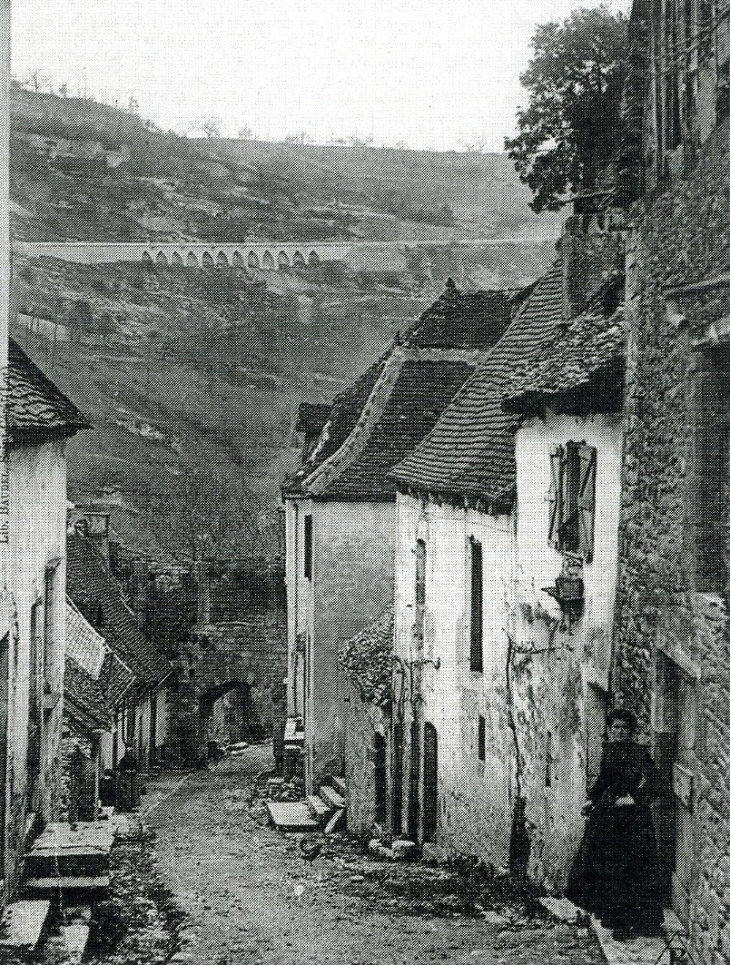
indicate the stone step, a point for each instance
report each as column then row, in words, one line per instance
column 291, row 816
column 21, row 929
column 331, row 797
column 318, row 808
column 70, row 851
column 77, row 885
column 340, row 785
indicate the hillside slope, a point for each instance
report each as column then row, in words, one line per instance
column 192, row 378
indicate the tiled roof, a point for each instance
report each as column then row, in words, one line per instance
column 98, row 596
column 379, row 419
column 83, row 643
column 466, row 320
column 470, row 451
column 421, row 392
column 35, row 405
column 594, row 344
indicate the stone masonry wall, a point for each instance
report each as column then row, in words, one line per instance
column 667, row 604
column 364, row 722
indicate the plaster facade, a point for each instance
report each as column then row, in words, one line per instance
column 345, row 585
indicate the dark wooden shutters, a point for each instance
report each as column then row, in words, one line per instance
column 586, row 500
column 430, row 782
column 555, row 497
column 476, row 659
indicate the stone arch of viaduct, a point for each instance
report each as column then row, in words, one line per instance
column 269, row 256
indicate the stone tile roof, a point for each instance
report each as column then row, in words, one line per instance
column 367, row 659
column 592, row 346
column 382, row 416
column 36, row 407
column 470, row 451
column 98, row 596
column 83, row 643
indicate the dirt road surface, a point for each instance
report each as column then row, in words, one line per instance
column 252, row 898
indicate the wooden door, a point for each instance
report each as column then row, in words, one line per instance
column 684, row 780
column 414, row 808
column 397, row 791
column 430, row 782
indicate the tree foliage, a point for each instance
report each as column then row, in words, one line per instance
column 572, row 126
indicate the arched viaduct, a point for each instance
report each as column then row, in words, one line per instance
column 270, row 255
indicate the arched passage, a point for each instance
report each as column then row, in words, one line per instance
column 207, row 260
column 226, row 713
column 298, row 260
column 284, row 260
column 147, row 258
column 253, row 259
column 268, row 261
column 162, row 259
column 313, row 258
column 192, row 261
column 177, row 259
column 221, row 260
column 237, row 260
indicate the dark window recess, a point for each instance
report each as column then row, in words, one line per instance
column 476, row 658
column 572, row 498
column 308, row 533
column 711, row 485
column 482, row 739
column 420, row 592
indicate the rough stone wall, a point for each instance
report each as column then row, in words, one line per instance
column 682, row 236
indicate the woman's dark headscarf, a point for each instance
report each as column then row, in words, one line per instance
column 622, row 713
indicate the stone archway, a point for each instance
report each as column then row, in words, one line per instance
column 208, row 260
column 146, row 258
column 253, row 259
column 221, row 260
column 313, row 259
column 268, row 262
column 298, row 260
column 237, row 260
column 284, row 260
column 177, row 259
column 192, row 260
column 226, row 713
column 161, row 259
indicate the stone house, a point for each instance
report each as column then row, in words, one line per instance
column 673, row 635
column 140, row 716
column 40, row 421
column 506, row 555
column 340, row 504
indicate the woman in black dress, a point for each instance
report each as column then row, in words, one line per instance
column 615, row 875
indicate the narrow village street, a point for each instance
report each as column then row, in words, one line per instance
column 251, row 897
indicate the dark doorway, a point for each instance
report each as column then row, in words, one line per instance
column 430, row 782
column 397, row 795
column 379, row 778
column 414, row 804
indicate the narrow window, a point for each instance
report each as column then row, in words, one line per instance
column 549, row 759
column 476, row 659
column 420, row 593
column 307, row 547
column 482, row 739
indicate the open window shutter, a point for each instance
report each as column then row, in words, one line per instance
column 555, row 496
column 586, row 500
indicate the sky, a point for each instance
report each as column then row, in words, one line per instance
column 430, row 74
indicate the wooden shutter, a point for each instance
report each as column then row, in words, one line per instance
column 586, row 500
column 555, row 497
column 476, row 659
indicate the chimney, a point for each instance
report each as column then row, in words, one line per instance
column 202, row 575
column 592, row 248
column 93, row 524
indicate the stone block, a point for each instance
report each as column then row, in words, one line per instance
column 404, row 850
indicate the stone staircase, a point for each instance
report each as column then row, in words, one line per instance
column 329, row 806
column 66, row 868
column 325, row 811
